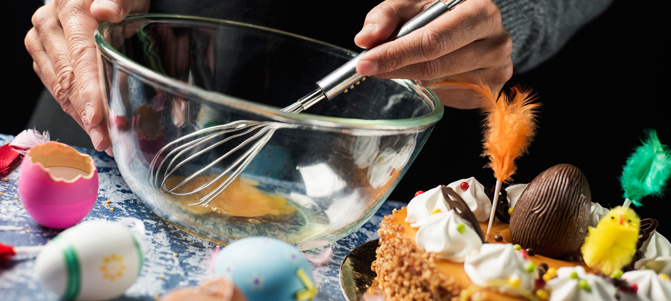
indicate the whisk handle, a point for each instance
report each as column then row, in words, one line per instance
column 345, row 77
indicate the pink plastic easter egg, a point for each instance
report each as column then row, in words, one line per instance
column 58, row 186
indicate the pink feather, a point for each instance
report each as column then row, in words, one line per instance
column 12, row 154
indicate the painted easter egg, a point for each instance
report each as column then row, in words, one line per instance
column 95, row 260
column 267, row 269
column 58, row 186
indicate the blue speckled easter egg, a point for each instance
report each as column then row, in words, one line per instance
column 267, row 269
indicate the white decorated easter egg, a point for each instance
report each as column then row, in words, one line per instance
column 267, row 269
column 95, row 260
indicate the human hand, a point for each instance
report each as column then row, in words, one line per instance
column 468, row 42
column 65, row 57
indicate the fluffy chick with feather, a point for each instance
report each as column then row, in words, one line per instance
column 612, row 243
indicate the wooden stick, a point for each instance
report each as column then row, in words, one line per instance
column 497, row 190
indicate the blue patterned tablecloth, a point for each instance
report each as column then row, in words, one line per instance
column 161, row 271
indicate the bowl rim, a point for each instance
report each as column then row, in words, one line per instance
column 355, row 126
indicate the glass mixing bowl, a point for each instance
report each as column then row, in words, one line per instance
column 322, row 173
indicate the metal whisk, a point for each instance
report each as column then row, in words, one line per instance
column 338, row 81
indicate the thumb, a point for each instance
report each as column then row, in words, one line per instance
column 110, row 10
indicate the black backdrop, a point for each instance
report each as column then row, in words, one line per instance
column 599, row 92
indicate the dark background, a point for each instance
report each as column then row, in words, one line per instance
column 608, row 84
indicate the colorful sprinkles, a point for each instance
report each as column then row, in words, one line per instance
column 461, row 228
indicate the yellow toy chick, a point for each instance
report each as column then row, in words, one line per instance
column 612, row 244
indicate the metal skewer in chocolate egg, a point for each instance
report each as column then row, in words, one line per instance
column 552, row 215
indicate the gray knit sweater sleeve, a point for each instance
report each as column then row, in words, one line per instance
column 539, row 28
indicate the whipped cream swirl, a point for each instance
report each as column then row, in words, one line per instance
column 513, row 192
column 449, row 236
column 651, row 287
column 432, row 201
column 567, row 288
column 424, row 205
column 473, row 194
column 656, row 254
column 502, row 267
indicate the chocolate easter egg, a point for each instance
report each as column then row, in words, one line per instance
column 552, row 214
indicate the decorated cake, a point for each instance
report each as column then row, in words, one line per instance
column 545, row 240
column 431, row 250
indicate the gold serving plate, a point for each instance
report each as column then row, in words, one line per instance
column 356, row 275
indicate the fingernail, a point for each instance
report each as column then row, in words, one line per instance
column 366, row 30
column 96, row 138
column 89, row 112
column 109, row 5
column 109, row 151
column 366, row 67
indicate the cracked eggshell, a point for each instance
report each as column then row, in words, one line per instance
column 95, row 260
column 58, row 186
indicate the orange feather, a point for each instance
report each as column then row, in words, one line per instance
column 509, row 126
column 509, row 129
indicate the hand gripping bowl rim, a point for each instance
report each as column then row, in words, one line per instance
column 304, row 120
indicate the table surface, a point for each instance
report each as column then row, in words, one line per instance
column 161, row 271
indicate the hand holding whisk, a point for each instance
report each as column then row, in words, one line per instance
column 338, row 81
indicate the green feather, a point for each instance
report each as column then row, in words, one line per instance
column 647, row 170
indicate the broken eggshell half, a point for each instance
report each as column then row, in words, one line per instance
column 58, row 186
